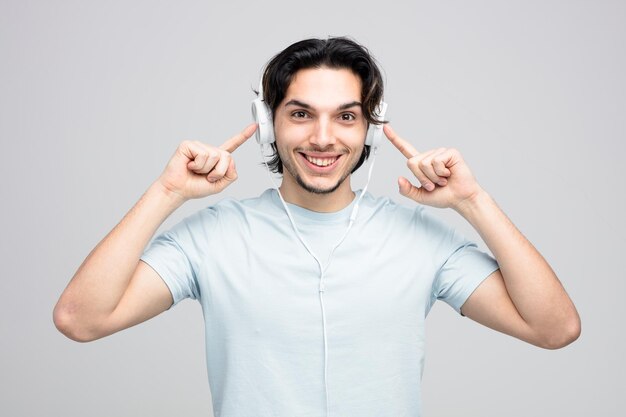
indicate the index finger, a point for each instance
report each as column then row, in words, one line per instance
column 236, row 141
column 402, row 145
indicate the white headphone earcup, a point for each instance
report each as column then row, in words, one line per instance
column 375, row 133
column 263, row 117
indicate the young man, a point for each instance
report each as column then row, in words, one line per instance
column 314, row 307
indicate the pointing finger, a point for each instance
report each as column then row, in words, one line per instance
column 233, row 143
column 402, row 145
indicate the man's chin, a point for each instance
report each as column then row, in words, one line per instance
column 318, row 189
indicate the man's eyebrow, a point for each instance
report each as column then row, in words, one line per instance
column 298, row 103
column 304, row 105
column 348, row 105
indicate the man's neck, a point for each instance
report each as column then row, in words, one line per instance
column 293, row 193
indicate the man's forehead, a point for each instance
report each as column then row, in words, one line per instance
column 325, row 76
column 324, row 87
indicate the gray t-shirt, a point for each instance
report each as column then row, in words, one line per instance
column 274, row 345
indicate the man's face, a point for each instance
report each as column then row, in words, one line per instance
column 320, row 128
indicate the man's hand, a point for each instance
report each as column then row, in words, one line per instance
column 446, row 181
column 198, row 170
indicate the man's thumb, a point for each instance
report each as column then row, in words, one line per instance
column 409, row 190
column 231, row 172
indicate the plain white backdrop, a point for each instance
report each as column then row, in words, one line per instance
column 95, row 96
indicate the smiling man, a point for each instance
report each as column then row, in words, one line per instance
column 314, row 296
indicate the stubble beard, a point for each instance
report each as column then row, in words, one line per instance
column 289, row 165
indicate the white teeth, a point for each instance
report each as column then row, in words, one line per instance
column 320, row 162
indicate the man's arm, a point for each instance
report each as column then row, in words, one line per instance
column 88, row 308
column 524, row 298
column 112, row 290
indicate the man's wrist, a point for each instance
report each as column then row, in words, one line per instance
column 170, row 198
column 473, row 205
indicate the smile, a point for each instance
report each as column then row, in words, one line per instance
column 321, row 162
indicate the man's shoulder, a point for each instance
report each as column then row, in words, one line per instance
column 264, row 199
column 228, row 210
column 238, row 206
column 394, row 215
column 384, row 205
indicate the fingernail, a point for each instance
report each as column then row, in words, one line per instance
column 442, row 182
column 429, row 186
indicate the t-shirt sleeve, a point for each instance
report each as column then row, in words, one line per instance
column 461, row 274
column 174, row 254
column 463, row 267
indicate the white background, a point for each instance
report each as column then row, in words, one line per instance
column 95, row 97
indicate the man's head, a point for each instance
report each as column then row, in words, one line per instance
column 332, row 53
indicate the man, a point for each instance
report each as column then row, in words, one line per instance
column 314, row 306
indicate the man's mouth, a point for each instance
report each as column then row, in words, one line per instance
column 321, row 162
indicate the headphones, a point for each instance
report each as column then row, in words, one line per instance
column 262, row 115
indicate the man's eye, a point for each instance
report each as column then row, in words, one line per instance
column 348, row 117
column 299, row 114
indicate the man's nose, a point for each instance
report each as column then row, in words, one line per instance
column 323, row 135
